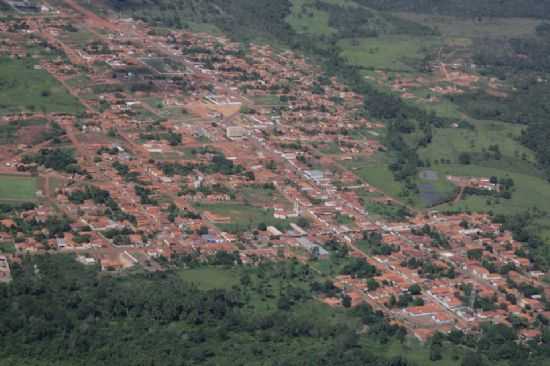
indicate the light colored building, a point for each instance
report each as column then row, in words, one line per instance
column 235, row 132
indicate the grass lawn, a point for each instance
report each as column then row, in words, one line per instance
column 208, row 278
column 80, row 38
column 268, row 100
column 16, row 188
column 387, row 52
column 377, row 173
column 25, row 89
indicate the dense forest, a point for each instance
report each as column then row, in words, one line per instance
column 59, row 312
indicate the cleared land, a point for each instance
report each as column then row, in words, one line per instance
column 17, row 188
column 23, row 88
column 209, row 278
column 243, row 217
column 395, row 53
column 308, row 19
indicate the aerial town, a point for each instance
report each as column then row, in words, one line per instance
column 188, row 143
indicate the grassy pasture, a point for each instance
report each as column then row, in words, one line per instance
column 530, row 191
column 376, row 172
column 26, row 89
column 448, row 143
column 17, row 188
column 307, row 19
column 391, row 52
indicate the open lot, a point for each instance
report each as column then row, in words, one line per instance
column 15, row 188
column 209, row 278
column 23, row 88
column 243, row 217
column 391, row 52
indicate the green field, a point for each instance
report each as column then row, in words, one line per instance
column 391, row 52
column 308, row 19
column 517, row 162
column 211, row 277
column 26, row 89
column 17, row 189
column 269, row 100
column 448, row 143
column 261, row 196
column 530, row 191
column 377, row 173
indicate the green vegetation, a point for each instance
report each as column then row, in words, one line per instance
column 388, row 211
column 15, row 188
column 309, row 20
column 62, row 160
column 243, row 217
column 529, row 191
column 7, row 248
column 473, row 27
column 423, row 192
column 9, row 131
column 268, row 314
column 465, row 8
column 23, row 88
column 393, row 53
column 210, row 278
column 448, row 143
column 376, row 172
column 269, row 100
column 261, row 195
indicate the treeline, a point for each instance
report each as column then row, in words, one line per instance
column 523, row 62
column 61, row 312
column 244, row 19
